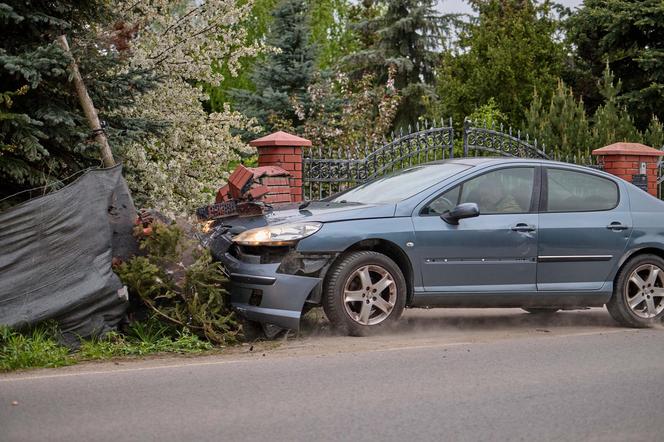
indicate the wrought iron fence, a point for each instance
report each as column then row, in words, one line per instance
column 488, row 140
column 328, row 171
column 582, row 159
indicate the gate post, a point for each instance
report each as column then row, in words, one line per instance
column 633, row 162
column 283, row 150
column 466, row 126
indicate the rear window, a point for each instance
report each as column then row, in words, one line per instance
column 571, row 191
column 400, row 185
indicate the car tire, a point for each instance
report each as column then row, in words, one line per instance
column 638, row 292
column 541, row 310
column 364, row 292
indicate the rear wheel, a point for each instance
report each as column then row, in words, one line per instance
column 638, row 293
column 365, row 291
column 541, row 310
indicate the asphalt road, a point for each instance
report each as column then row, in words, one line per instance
column 580, row 378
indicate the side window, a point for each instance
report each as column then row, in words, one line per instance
column 571, row 191
column 446, row 201
column 501, row 191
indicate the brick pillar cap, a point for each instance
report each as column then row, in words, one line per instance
column 280, row 138
column 628, row 149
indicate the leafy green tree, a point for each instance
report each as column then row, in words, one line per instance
column 331, row 32
column 488, row 115
column 257, row 24
column 281, row 81
column 506, row 53
column 405, row 36
column 629, row 35
column 44, row 136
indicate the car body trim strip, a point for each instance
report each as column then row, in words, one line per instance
column 476, row 260
column 573, row 258
column 252, row 279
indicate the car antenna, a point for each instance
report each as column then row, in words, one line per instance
column 304, row 205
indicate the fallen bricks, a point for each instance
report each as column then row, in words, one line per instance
column 248, row 191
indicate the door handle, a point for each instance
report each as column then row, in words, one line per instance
column 617, row 226
column 523, row 227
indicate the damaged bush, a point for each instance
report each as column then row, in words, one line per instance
column 178, row 280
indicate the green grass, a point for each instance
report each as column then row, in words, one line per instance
column 39, row 347
column 36, row 348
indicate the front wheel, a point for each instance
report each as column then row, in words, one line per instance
column 638, row 294
column 365, row 291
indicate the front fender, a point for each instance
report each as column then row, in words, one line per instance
column 337, row 237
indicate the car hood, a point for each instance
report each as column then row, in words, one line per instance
column 320, row 211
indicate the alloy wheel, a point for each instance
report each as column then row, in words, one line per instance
column 370, row 294
column 644, row 291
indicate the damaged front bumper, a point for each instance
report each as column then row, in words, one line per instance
column 259, row 292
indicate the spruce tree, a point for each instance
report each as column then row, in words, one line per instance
column 281, row 97
column 44, row 136
column 407, row 36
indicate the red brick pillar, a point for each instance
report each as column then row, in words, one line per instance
column 633, row 162
column 283, row 150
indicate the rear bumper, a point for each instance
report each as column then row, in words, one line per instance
column 261, row 294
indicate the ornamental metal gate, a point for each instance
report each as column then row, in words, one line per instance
column 327, row 171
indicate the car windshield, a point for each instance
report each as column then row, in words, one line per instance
column 399, row 185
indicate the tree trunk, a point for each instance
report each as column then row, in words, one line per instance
column 88, row 107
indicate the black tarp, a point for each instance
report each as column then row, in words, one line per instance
column 56, row 253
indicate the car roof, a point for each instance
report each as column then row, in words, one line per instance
column 486, row 161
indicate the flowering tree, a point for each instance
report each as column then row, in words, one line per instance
column 179, row 41
column 364, row 117
column 343, row 114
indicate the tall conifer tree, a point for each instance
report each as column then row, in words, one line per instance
column 506, row 53
column 44, row 136
column 281, row 96
column 629, row 35
column 407, row 36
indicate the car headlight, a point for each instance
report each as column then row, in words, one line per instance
column 279, row 235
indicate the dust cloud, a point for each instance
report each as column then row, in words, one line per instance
column 416, row 322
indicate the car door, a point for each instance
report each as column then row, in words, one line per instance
column 494, row 252
column 584, row 227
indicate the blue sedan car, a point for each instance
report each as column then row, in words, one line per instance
column 482, row 232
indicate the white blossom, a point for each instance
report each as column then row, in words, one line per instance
column 180, row 41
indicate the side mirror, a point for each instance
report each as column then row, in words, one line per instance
column 465, row 210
